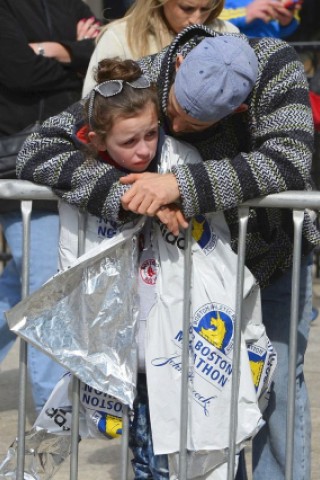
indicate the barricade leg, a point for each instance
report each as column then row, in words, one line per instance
column 125, row 444
column 74, row 460
column 243, row 222
column 298, row 217
column 26, row 209
column 185, row 359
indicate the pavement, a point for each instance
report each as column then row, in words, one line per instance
column 100, row 459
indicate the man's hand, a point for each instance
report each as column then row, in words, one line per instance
column 173, row 218
column 149, row 192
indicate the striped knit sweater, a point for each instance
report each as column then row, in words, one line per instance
column 265, row 150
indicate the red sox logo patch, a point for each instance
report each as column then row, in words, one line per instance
column 149, row 271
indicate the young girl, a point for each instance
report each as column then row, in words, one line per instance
column 120, row 127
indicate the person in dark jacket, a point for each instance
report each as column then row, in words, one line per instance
column 45, row 50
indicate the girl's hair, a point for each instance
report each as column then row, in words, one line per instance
column 146, row 17
column 127, row 103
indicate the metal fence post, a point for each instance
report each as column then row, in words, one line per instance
column 243, row 214
column 26, row 210
column 183, row 460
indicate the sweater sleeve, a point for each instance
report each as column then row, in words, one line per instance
column 281, row 130
column 52, row 157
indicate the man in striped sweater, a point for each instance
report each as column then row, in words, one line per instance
column 258, row 145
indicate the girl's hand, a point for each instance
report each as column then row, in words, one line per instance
column 171, row 216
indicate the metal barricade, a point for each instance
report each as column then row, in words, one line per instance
column 25, row 192
column 293, row 200
column 297, row 202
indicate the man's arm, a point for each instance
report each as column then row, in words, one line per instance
column 281, row 136
column 281, row 127
column 51, row 157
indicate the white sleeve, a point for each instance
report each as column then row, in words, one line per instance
column 175, row 153
column 68, row 238
column 224, row 26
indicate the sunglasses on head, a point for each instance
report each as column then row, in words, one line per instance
column 110, row 88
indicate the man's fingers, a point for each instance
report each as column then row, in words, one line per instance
column 131, row 178
column 139, row 204
column 149, row 191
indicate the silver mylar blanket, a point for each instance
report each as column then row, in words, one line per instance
column 86, row 318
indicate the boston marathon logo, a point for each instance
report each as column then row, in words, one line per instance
column 212, row 343
column 214, row 323
column 108, row 425
column 257, row 358
column 106, row 410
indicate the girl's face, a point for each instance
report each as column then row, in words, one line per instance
column 183, row 13
column 132, row 142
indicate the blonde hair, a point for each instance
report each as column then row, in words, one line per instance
column 147, row 17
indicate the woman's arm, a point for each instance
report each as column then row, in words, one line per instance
column 25, row 70
column 64, row 52
column 22, row 70
column 87, row 28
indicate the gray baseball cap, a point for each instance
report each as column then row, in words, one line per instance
column 216, row 77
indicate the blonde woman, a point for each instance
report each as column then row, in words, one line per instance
column 149, row 26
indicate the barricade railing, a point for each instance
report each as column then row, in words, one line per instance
column 296, row 201
column 25, row 192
